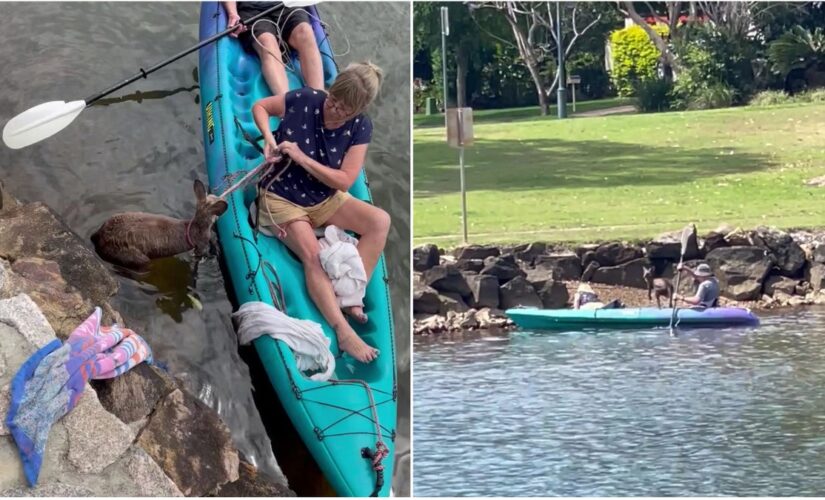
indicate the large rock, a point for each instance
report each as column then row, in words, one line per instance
column 613, row 254
column 787, row 255
column 740, row 270
column 780, row 284
column 425, row 257
column 62, row 304
column 451, row 302
column 134, row 395
column 587, row 258
column 191, row 444
column 819, row 254
column 7, row 201
column 565, row 267
column 669, row 246
column 590, row 271
column 49, row 490
column 425, row 299
column 539, row 276
column 96, row 437
column 816, row 277
column 474, row 265
column 447, row 278
column 253, row 484
column 21, row 313
column 530, row 253
column 485, row 291
column 476, row 252
column 583, row 249
column 504, row 268
column 518, row 292
column 33, row 230
column 713, row 241
column 147, row 475
column 554, row 295
column 628, row 274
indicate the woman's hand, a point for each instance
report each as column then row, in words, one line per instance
column 232, row 21
column 293, row 151
column 271, row 152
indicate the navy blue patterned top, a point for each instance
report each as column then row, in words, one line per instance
column 303, row 124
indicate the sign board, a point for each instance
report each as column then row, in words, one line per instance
column 460, row 127
column 574, row 80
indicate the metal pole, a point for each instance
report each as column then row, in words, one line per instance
column 561, row 94
column 445, row 32
column 463, row 193
column 574, row 97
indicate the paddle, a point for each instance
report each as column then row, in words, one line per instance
column 686, row 233
column 47, row 119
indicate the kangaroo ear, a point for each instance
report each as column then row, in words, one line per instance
column 218, row 208
column 200, row 190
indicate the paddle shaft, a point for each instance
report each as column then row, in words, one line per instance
column 144, row 73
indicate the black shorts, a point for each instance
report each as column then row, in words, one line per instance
column 286, row 19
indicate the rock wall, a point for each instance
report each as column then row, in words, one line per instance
column 763, row 267
column 140, row 434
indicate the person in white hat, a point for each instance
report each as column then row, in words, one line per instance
column 707, row 294
column 586, row 298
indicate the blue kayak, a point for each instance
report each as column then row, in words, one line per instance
column 341, row 420
column 643, row 317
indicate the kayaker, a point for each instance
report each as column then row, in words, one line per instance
column 707, row 294
column 326, row 137
column 283, row 28
column 586, row 298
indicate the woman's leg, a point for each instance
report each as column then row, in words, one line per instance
column 300, row 238
column 272, row 65
column 303, row 40
column 372, row 225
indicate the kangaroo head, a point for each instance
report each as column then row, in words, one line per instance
column 207, row 210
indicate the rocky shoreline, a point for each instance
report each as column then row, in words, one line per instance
column 469, row 287
column 140, row 434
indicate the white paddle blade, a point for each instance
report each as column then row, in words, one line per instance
column 687, row 232
column 301, row 3
column 39, row 122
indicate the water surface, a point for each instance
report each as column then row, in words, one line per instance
column 709, row 412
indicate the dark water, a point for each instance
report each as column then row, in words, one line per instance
column 142, row 152
column 731, row 412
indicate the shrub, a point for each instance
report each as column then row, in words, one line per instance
column 653, row 95
column 595, row 83
column 712, row 96
column 817, row 95
column 634, row 57
column 771, row 98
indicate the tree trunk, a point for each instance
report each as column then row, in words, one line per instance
column 668, row 59
column 530, row 61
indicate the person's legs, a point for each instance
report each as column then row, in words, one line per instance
column 372, row 225
column 300, row 238
column 302, row 39
column 272, row 65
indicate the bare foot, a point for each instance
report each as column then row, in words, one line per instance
column 356, row 313
column 351, row 343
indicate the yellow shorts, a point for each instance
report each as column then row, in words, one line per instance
column 278, row 210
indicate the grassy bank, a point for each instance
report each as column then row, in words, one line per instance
column 624, row 177
column 516, row 114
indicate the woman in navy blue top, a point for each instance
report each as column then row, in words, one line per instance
column 326, row 137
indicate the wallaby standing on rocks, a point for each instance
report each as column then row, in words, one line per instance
column 660, row 287
column 132, row 239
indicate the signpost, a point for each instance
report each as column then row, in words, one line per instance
column 574, row 80
column 445, row 32
column 460, row 135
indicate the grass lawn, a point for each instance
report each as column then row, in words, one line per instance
column 623, row 177
column 514, row 114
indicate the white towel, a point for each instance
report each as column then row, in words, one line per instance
column 340, row 259
column 305, row 338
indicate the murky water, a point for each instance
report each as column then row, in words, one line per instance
column 730, row 412
column 142, row 152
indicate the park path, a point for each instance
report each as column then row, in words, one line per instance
column 607, row 111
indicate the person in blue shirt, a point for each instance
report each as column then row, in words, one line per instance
column 326, row 137
column 285, row 28
column 707, row 294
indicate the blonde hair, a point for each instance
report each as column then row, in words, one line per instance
column 357, row 86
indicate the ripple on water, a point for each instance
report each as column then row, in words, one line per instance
column 728, row 412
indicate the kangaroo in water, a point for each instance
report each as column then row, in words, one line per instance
column 132, row 239
column 660, row 287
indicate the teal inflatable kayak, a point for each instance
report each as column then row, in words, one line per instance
column 645, row 317
column 341, row 420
